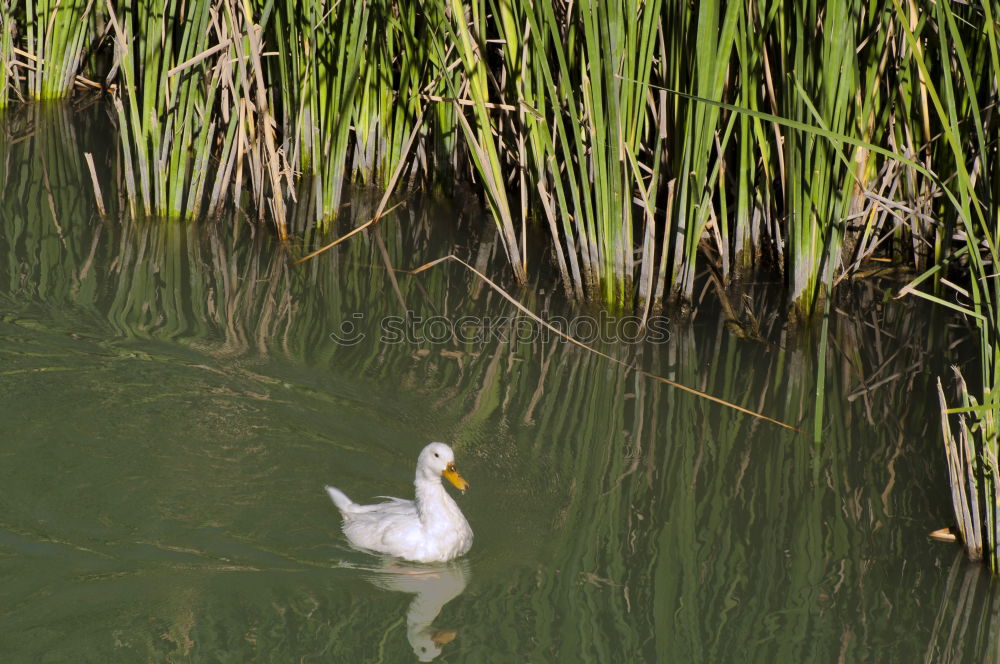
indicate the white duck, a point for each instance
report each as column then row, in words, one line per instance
column 429, row 529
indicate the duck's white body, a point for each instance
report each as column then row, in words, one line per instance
column 429, row 529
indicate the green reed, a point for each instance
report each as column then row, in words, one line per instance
column 573, row 90
column 818, row 194
column 8, row 71
column 57, row 35
column 158, row 109
column 466, row 33
column 321, row 72
column 355, row 79
column 709, row 33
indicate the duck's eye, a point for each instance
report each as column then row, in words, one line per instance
column 436, row 455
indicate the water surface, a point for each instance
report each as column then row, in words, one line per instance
column 175, row 396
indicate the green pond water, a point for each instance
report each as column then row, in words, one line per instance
column 174, row 397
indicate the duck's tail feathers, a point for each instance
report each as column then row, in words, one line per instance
column 340, row 499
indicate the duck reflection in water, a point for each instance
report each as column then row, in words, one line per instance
column 434, row 586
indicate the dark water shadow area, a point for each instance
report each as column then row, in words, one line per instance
column 174, row 397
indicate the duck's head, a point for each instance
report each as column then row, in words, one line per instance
column 436, row 461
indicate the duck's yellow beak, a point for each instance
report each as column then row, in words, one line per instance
column 451, row 474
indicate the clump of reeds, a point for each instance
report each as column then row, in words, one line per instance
column 56, row 33
column 193, row 112
column 961, row 99
column 972, row 471
column 646, row 141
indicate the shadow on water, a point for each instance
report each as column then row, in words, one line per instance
column 175, row 397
